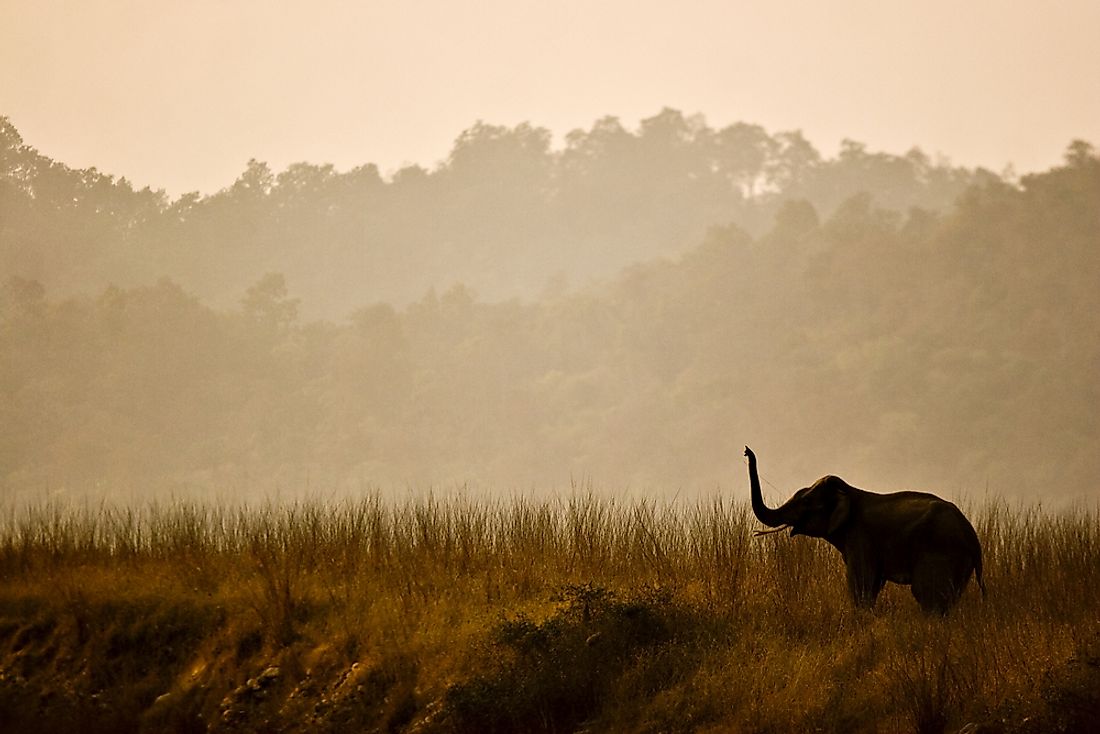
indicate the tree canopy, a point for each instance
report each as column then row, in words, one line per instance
column 505, row 213
column 900, row 323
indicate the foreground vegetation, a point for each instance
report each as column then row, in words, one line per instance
column 531, row 615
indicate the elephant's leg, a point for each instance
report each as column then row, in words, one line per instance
column 864, row 584
column 935, row 586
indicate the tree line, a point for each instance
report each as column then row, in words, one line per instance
column 953, row 348
column 506, row 213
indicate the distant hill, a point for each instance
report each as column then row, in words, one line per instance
column 954, row 350
column 505, row 214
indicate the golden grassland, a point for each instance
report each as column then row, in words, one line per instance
column 579, row 613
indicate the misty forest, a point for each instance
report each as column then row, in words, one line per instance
column 462, row 448
column 625, row 310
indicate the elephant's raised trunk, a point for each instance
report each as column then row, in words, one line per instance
column 771, row 518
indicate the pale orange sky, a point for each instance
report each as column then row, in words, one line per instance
column 179, row 95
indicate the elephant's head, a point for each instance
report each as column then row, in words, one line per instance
column 819, row 510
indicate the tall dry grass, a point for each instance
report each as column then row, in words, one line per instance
column 452, row 614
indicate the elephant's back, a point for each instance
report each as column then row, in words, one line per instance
column 923, row 519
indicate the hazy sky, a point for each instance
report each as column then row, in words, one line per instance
column 179, row 95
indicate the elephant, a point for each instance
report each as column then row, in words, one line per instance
column 912, row 538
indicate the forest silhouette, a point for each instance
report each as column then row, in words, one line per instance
column 629, row 309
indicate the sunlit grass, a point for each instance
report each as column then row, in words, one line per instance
column 462, row 614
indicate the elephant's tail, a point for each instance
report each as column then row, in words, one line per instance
column 978, row 571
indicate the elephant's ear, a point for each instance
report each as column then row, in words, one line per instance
column 840, row 512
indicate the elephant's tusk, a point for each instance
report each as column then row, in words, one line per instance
column 758, row 533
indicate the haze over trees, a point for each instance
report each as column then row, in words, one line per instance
column 630, row 308
column 505, row 214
